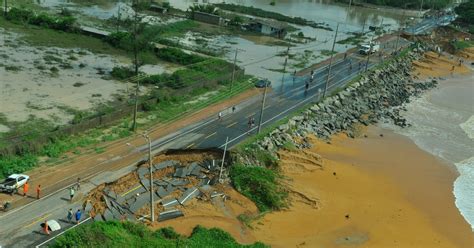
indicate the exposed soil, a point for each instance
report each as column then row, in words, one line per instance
column 355, row 200
column 433, row 65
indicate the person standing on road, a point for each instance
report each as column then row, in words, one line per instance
column 219, row 116
column 46, row 228
column 78, row 183
column 38, row 191
column 71, row 193
column 233, row 109
column 26, row 186
column 250, row 122
column 69, row 215
column 78, row 216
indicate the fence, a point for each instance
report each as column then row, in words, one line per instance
column 34, row 143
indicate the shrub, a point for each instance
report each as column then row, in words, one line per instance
column 64, row 23
column 122, row 72
column 176, row 55
column 261, row 185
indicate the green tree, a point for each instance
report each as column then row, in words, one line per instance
column 466, row 12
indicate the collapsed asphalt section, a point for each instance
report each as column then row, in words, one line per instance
column 179, row 177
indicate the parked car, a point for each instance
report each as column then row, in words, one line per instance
column 262, row 82
column 13, row 183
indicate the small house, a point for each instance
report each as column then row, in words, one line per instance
column 208, row 18
column 268, row 27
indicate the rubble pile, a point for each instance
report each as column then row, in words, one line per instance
column 175, row 184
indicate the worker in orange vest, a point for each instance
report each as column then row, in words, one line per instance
column 26, row 186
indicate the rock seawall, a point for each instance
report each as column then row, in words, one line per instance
column 380, row 94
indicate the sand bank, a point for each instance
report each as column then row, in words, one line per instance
column 373, row 192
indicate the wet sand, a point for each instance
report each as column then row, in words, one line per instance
column 386, row 192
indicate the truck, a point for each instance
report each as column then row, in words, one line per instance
column 369, row 48
column 13, row 182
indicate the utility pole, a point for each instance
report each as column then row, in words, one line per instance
column 135, row 61
column 399, row 31
column 371, row 45
column 5, row 8
column 421, row 9
column 363, row 26
column 349, row 10
column 330, row 62
column 284, row 70
column 151, row 178
column 263, row 108
column 223, row 159
column 118, row 18
column 233, row 69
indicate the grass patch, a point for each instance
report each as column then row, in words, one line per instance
column 353, row 40
column 325, row 52
column 263, row 186
column 461, row 44
column 127, row 234
column 40, row 36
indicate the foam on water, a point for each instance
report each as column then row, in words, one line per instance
column 464, row 190
column 468, row 127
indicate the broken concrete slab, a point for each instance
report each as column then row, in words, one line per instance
column 216, row 194
column 142, row 171
column 181, row 172
column 141, row 200
column 214, row 180
column 145, row 183
column 107, row 215
column 160, row 182
column 169, row 202
column 206, row 188
column 165, row 164
column 170, row 188
column 116, row 213
column 107, row 202
column 188, row 195
column 170, row 214
column 179, row 182
column 196, row 171
column 205, row 181
column 162, row 192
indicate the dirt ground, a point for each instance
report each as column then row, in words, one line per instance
column 433, row 65
column 360, row 206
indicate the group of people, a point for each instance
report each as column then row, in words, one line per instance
column 26, row 188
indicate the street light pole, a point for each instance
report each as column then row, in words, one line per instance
column 330, row 62
column 284, row 70
column 151, row 179
column 233, row 70
column 223, row 159
column 263, row 108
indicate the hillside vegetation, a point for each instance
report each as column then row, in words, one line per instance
column 127, row 234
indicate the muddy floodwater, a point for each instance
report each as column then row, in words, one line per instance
column 50, row 82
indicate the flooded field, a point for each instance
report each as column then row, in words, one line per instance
column 50, row 82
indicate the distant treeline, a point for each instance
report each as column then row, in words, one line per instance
column 407, row 4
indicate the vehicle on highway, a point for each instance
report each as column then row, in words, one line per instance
column 369, row 48
column 13, row 183
column 262, row 82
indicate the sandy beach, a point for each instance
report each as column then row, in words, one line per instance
column 371, row 192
